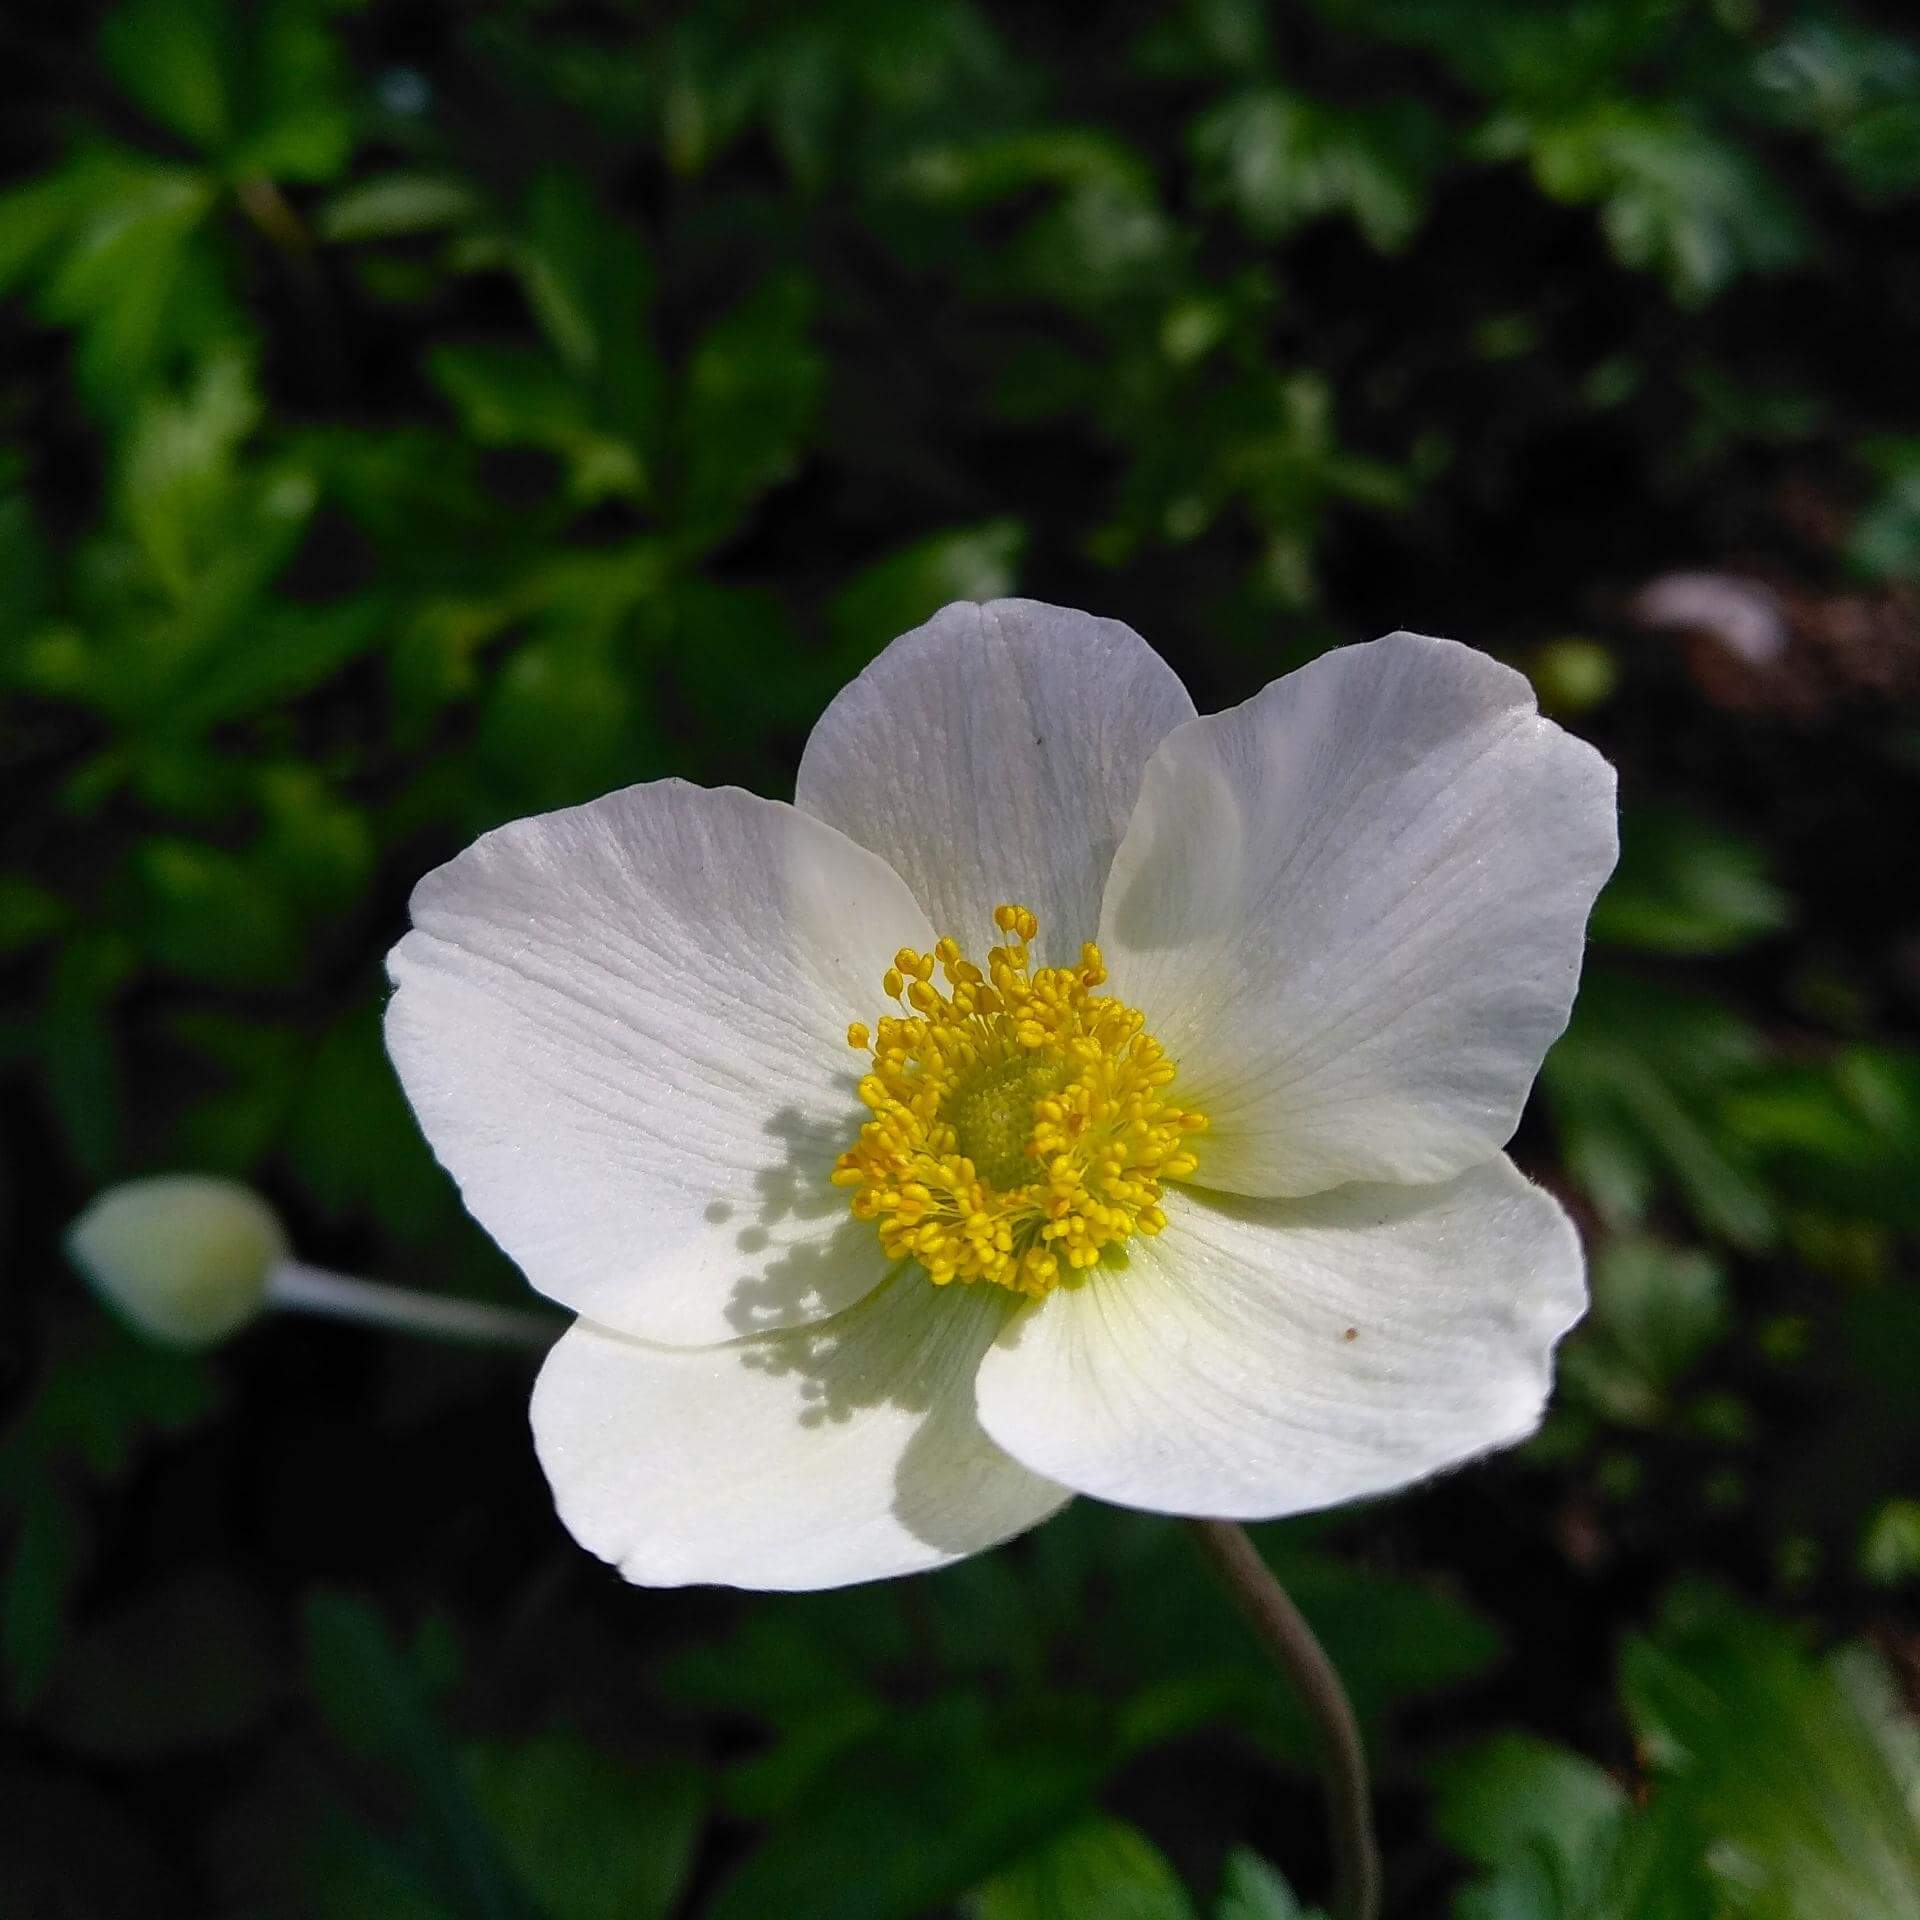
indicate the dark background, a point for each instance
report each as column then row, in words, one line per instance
column 417, row 414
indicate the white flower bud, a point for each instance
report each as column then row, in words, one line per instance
column 184, row 1257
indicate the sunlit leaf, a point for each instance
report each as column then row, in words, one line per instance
column 1098, row 1866
column 1801, row 1772
column 393, row 205
column 1558, row 1839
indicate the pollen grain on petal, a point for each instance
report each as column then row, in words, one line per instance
column 1021, row 1123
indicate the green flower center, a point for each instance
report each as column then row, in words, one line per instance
column 992, row 1117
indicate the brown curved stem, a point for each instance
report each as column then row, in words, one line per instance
column 1284, row 1630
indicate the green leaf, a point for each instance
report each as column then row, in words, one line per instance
column 1886, row 538
column 1252, row 1889
column 1880, row 150
column 1858, row 89
column 1890, row 1548
column 299, row 122
column 1205, row 37
column 1842, row 1135
column 289, row 651
column 1394, row 1637
column 1281, row 160
column 998, row 166
column 234, row 1126
column 1504, row 1795
column 196, row 640
column 1180, row 1658
column 1102, row 242
column 1684, row 886
column 393, row 206
column 893, row 595
column 373, row 1701
column 176, row 59
column 131, row 271
column 259, row 88
column 352, row 1140
column 1538, row 54
column 1264, row 445
column 910, row 1818
column 348, row 1873
column 1637, row 1084
column 1098, row 1866
column 1675, row 197
column 805, row 1674
column 1559, row 1840
column 749, row 394
column 317, row 846
column 585, row 277
column 29, row 913
column 179, row 469
column 555, row 722
column 80, row 1047
column 101, row 1397
column 591, row 1837
column 205, row 914
column 32, row 220
column 520, row 396
column 1656, row 1309
column 740, row 667
column 1802, row 1771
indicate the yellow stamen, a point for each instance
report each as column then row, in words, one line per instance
column 1022, row 1123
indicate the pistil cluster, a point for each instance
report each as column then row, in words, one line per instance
column 1022, row 1121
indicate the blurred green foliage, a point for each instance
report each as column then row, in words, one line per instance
column 416, row 414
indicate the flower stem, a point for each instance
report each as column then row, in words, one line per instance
column 1284, row 1630
column 315, row 1290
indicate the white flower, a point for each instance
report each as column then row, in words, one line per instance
column 187, row 1259
column 1210, row 1218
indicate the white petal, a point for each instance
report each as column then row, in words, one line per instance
column 1264, row 1357
column 840, row 1452
column 994, row 754
column 1353, row 912
column 623, row 1028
